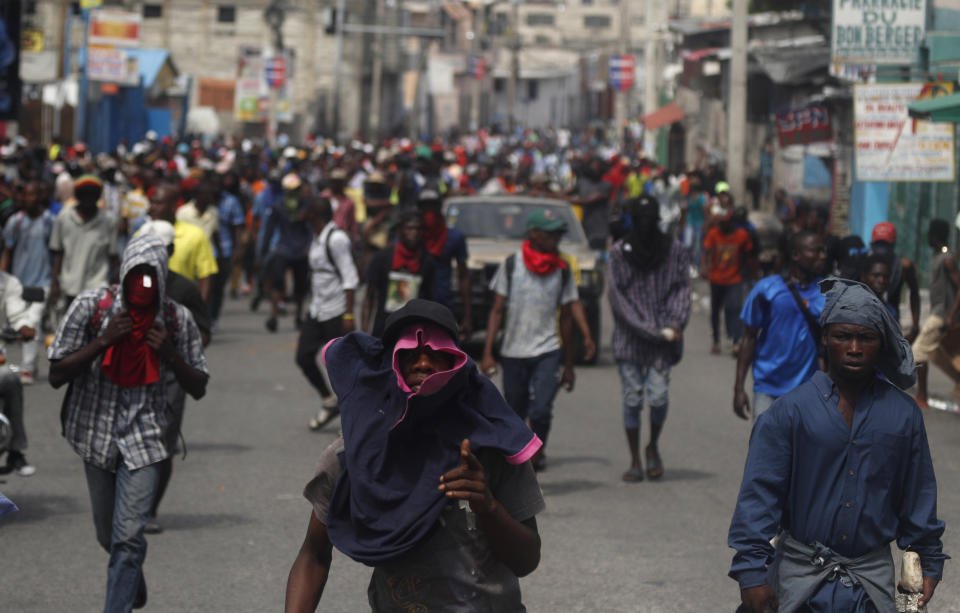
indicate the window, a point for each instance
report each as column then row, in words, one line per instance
column 596, row 21
column 533, row 89
column 541, row 19
column 226, row 13
column 152, row 11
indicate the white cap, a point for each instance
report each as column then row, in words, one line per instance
column 159, row 228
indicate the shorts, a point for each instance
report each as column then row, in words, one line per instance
column 929, row 338
column 638, row 381
column 278, row 267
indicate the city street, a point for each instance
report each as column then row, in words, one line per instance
column 235, row 517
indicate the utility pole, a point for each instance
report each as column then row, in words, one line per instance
column 274, row 16
column 338, row 71
column 650, row 69
column 474, row 55
column 623, row 94
column 737, row 107
column 377, row 77
column 514, row 63
column 80, row 117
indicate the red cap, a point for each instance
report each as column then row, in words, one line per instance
column 884, row 231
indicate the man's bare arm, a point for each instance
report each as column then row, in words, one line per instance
column 308, row 575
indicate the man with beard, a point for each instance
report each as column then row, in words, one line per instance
column 430, row 483
column 838, row 468
column 446, row 245
column 650, row 299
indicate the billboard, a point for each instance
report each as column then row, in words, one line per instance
column 875, row 32
column 112, row 65
column 889, row 145
column 252, row 92
column 11, row 88
column 809, row 124
column 115, row 28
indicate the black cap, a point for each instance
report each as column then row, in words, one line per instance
column 418, row 310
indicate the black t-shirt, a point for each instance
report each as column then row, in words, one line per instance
column 397, row 287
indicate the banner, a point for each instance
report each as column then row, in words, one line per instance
column 877, row 31
column 11, row 88
column 112, row 65
column 889, row 145
column 252, row 92
column 115, row 28
column 809, row 124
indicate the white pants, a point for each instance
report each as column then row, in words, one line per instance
column 31, row 349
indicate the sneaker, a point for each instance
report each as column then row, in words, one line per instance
column 272, row 324
column 26, row 377
column 17, row 462
column 152, row 526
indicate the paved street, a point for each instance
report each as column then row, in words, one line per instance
column 234, row 515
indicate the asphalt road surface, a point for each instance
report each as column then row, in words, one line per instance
column 235, row 517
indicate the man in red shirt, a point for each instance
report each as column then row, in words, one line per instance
column 724, row 250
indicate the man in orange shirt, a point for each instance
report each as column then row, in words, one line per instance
column 724, row 249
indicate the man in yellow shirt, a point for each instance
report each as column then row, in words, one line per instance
column 192, row 253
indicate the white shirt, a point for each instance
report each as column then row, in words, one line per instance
column 328, row 287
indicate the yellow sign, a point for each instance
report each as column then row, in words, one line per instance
column 32, row 40
column 91, row 4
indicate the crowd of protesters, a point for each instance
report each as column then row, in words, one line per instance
column 101, row 248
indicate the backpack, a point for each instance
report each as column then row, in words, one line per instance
column 512, row 264
column 326, row 246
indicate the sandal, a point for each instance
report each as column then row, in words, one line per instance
column 633, row 475
column 654, row 464
column 324, row 417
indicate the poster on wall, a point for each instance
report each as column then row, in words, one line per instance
column 252, row 92
column 11, row 88
column 809, row 124
column 889, row 145
column 877, row 32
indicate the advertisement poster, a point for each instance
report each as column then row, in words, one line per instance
column 112, row 65
column 889, row 145
column 877, row 31
column 810, row 124
column 11, row 88
column 252, row 92
column 115, row 28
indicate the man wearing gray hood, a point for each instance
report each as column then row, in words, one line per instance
column 115, row 346
column 839, row 467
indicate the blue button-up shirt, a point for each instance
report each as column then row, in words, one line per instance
column 851, row 489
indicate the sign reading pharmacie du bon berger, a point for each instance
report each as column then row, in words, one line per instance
column 877, row 31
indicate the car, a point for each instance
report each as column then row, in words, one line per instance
column 495, row 227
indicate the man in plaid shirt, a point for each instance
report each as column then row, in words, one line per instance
column 114, row 346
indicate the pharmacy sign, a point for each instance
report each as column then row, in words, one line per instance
column 877, row 31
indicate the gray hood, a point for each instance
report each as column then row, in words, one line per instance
column 150, row 250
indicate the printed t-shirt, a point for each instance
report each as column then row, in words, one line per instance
column 397, row 287
column 728, row 250
column 786, row 353
column 532, row 302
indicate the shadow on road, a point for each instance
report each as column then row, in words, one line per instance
column 218, row 447
column 562, row 488
column 38, row 507
column 193, row 521
column 564, row 460
column 686, row 474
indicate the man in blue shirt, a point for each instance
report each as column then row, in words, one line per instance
column 447, row 245
column 231, row 221
column 839, row 468
column 779, row 339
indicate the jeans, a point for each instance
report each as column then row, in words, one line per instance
column 530, row 385
column 121, row 504
column 218, row 285
column 637, row 380
column 728, row 298
column 11, row 393
column 693, row 240
column 313, row 336
column 761, row 402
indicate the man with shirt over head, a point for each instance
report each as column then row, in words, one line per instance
column 781, row 336
column 333, row 283
column 838, row 468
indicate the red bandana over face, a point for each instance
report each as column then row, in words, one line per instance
column 130, row 363
column 405, row 259
column 435, row 232
column 541, row 264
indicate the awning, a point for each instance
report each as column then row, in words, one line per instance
column 663, row 116
column 942, row 109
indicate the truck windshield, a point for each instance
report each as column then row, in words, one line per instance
column 492, row 219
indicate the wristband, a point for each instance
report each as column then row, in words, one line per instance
column 348, row 316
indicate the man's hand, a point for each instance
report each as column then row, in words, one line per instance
column 159, row 341
column 911, row 334
column 54, row 294
column 119, row 327
column 929, row 585
column 488, row 365
column 466, row 330
column 27, row 333
column 589, row 349
column 567, row 379
column 759, row 599
column 469, row 482
column 349, row 325
column 741, row 404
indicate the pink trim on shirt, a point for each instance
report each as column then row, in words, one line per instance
column 527, row 452
column 323, row 352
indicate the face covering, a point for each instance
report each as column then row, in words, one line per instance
column 404, row 258
column 130, row 363
column 541, row 264
column 435, row 232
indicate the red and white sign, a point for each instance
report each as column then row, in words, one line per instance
column 276, row 72
column 621, row 72
column 809, row 124
column 115, row 28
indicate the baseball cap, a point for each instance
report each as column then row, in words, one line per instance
column 159, row 228
column 546, row 220
column 721, row 187
column 429, row 195
column 884, row 231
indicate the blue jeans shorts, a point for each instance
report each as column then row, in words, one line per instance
column 638, row 381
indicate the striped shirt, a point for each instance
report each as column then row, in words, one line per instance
column 645, row 302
